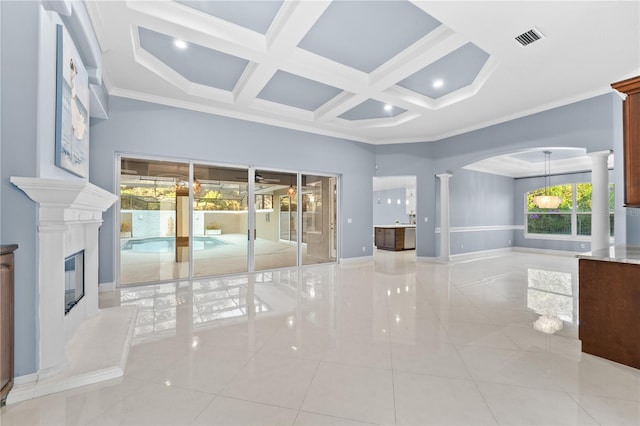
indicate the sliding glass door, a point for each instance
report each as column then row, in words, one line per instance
column 154, row 221
column 275, row 243
column 318, row 219
column 220, row 220
column 189, row 219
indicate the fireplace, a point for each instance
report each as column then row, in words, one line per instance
column 73, row 280
column 69, row 215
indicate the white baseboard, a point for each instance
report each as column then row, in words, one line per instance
column 35, row 389
column 547, row 251
column 102, row 287
column 462, row 257
column 24, row 379
column 356, row 259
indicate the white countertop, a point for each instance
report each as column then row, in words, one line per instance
column 619, row 254
column 397, row 225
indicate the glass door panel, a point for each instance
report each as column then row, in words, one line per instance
column 220, row 220
column 318, row 219
column 154, row 221
column 275, row 220
column 181, row 220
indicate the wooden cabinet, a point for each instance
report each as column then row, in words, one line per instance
column 6, row 320
column 609, row 297
column 393, row 238
column 631, row 117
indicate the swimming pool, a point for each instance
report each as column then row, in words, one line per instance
column 168, row 244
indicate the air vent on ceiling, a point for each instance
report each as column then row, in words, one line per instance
column 529, row 37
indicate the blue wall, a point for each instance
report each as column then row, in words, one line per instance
column 593, row 124
column 19, row 51
column 479, row 200
column 136, row 127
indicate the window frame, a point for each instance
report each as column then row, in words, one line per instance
column 574, row 218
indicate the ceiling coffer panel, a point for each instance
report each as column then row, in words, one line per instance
column 371, row 109
column 196, row 63
column 253, row 15
column 454, row 71
column 299, row 92
column 364, row 35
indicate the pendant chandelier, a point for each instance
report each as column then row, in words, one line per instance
column 547, row 201
column 291, row 191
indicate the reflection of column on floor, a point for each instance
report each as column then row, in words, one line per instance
column 182, row 224
column 184, row 312
column 251, row 312
column 299, row 288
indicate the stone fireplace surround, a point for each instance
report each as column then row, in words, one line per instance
column 69, row 215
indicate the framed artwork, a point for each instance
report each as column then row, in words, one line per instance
column 72, row 107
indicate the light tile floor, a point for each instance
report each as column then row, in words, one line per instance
column 385, row 342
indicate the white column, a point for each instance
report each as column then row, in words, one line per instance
column 599, row 200
column 445, row 245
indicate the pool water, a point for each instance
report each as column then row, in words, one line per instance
column 168, row 244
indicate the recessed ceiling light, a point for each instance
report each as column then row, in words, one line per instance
column 180, row 44
column 388, row 107
column 438, row 83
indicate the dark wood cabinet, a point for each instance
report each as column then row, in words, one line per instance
column 401, row 237
column 609, row 315
column 6, row 320
column 631, row 117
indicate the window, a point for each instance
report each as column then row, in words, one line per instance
column 264, row 202
column 572, row 218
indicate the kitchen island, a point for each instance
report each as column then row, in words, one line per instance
column 395, row 237
column 609, row 304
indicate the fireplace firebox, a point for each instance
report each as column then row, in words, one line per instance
column 73, row 280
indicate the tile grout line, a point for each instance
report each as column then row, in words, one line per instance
column 204, row 409
column 306, row 394
column 393, row 377
column 475, row 383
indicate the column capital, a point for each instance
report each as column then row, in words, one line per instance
column 600, row 154
column 444, row 175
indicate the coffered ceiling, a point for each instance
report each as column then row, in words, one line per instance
column 371, row 71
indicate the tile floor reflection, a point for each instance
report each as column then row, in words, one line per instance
column 389, row 341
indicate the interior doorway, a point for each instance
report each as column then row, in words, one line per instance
column 394, row 213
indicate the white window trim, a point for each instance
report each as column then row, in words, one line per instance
column 574, row 221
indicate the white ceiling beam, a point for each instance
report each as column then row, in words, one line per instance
column 291, row 24
column 341, row 103
column 173, row 77
column 374, row 123
column 435, row 45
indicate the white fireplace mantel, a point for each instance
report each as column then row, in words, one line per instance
column 69, row 215
column 66, row 200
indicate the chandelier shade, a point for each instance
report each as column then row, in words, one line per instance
column 547, row 201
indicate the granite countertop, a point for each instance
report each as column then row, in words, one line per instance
column 619, row 254
column 397, row 225
column 8, row 248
